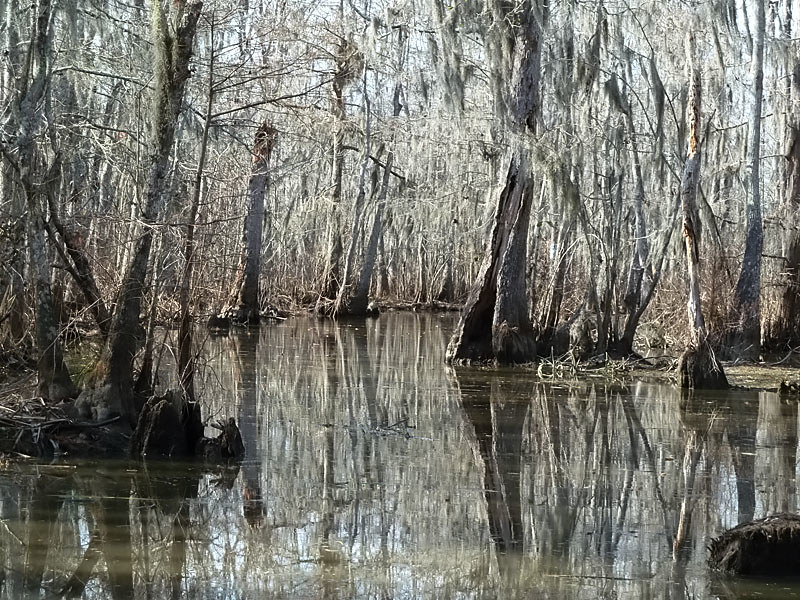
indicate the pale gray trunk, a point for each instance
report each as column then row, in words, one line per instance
column 54, row 383
column 13, row 302
column 244, row 305
column 747, row 304
column 359, row 300
column 785, row 329
column 698, row 366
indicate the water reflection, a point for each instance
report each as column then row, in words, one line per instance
column 372, row 471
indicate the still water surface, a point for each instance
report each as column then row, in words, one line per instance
column 373, row 471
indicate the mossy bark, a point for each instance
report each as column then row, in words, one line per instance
column 173, row 51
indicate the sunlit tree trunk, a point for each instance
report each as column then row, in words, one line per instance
column 746, row 318
column 359, row 301
column 244, row 305
column 641, row 254
column 698, row 367
column 785, row 329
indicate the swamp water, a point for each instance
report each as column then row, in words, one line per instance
column 373, row 471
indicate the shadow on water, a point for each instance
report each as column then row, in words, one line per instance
column 373, row 471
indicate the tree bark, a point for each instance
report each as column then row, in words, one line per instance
column 186, row 363
column 785, row 329
column 698, row 366
column 495, row 324
column 358, row 215
column 358, row 304
column 746, row 317
column 54, row 382
column 348, row 62
column 77, row 263
column 244, row 307
column 640, row 262
column 173, row 51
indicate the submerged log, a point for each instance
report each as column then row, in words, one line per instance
column 769, row 546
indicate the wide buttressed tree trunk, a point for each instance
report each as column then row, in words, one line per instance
column 244, row 307
column 495, row 324
column 745, row 336
column 172, row 53
column 698, row 366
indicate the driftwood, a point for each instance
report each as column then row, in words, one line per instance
column 769, row 546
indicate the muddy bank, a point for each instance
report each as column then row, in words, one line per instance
column 30, row 428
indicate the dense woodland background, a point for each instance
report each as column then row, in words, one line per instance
column 381, row 132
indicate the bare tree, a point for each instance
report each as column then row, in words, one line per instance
column 55, row 383
column 746, row 317
column 243, row 307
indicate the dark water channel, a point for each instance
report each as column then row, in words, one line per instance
column 375, row 472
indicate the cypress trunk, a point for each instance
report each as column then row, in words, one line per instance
column 495, row 324
column 173, row 51
column 746, row 318
column 698, row 366
column 244, row 306
column 785, row 329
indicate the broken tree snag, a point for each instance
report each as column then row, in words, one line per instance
column 769, row 546
column 243, row 307
column 494, row 324
column 171, row 427
column 698, row 366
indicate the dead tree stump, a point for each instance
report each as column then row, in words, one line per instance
column 699, row 368
column 170, row 427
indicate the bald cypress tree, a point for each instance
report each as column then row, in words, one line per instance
column 173, row 43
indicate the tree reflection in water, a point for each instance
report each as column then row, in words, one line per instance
column 372, row 471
